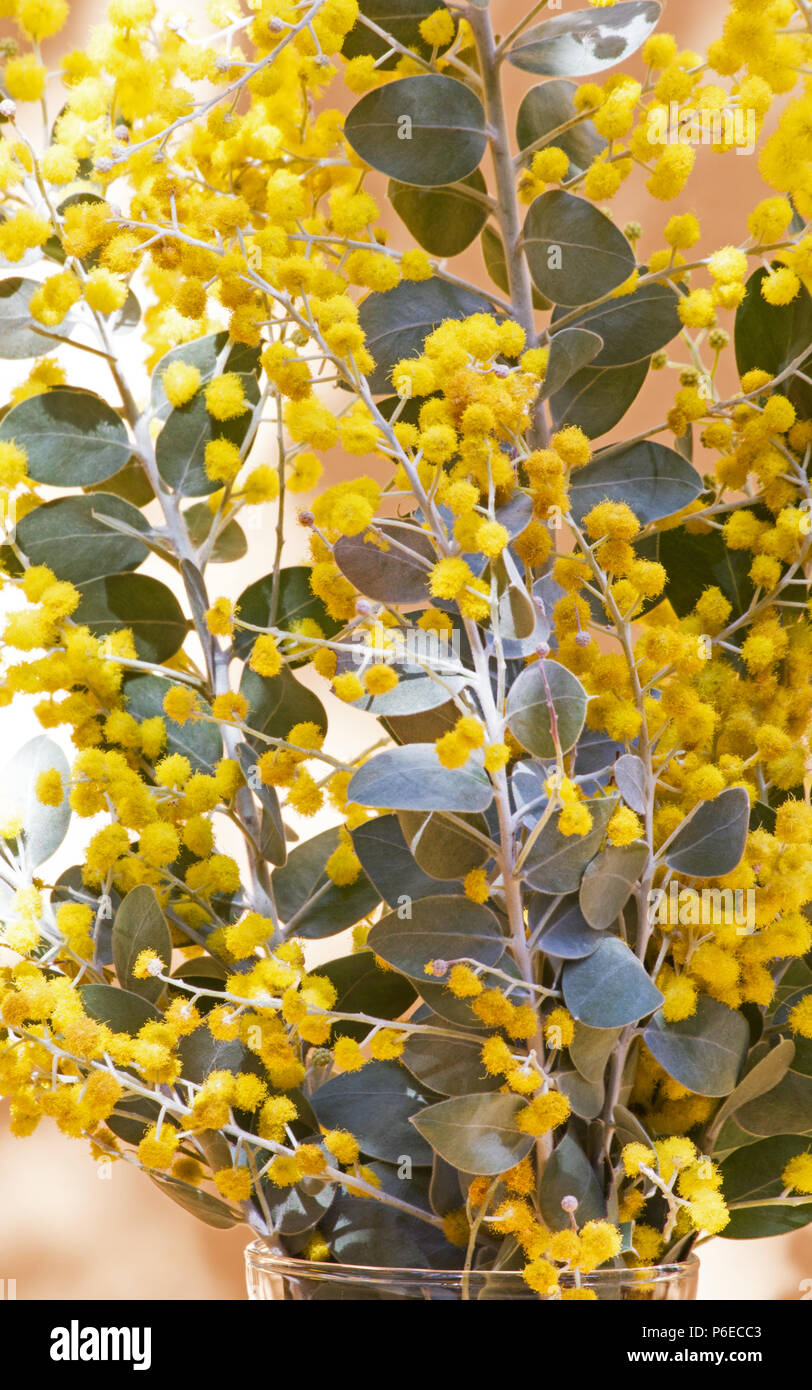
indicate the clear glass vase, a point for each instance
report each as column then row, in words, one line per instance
column 283, row 1279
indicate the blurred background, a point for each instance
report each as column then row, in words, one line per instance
column 70, row 1228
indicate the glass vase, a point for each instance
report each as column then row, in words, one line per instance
column 284, row 1279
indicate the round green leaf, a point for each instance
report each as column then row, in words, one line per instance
column 449, row 1066
column 575, row 45
column 575, row 253
column 120, row 1009
column 71, row 536
column 711, row 840
column 44, row 827
column 556, row 862
column 632, row 326
column 384, row 854
column 400, row 18
column 427, row 130
column 568, row 1173
column 493, row 254
column 308, row 901
column 364, row 988
column 138, row 602
column 295, row 604
column 653, row 480
column 566, row 933
column 276, row 703
column 543, row 693
column 231, row 543
column 608, row 882
column 72, row 438
column 211, row 355
column 704, row 1052
column 396, row 323
column 412, row 778
column 694, row 562
column 198, row 740
column 18, row 335
column 442, row 220
column 610, row 988
column 181, row 446
column 439, row 928
column 376, row 1105
column 597, row 398
column 770, row 336
column 570, row 350
column 388, row 576
column 476, row 1133
column 140, row 926
column 441, row 847
column 550, row 105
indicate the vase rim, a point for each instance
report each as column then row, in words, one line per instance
column 257, row 1253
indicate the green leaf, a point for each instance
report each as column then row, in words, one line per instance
column 711, row 840
column 18, row 335
column 308, row 901
column 276, row 703
column 585, row 1097
column 544, row 692
column 550, row 105
column 477, row 1133
column 210, row 1210
column 44, row 827
column 568, row 1173
column 198, row 740
column 608, row 882
column 295, row 603
column 591, row 1049
column 414, row 694
column 443, row 928
column 70, row 535
column 493, row 254
column 138, row 602
column 364, row 988
column 556, row 862
column 770, row 336
column 597, row 398
column 130, row 483
column 761, row 1078
column 376, row 1105
column 201, row 1053
column 400, row 18
column 570, row 350
column 412, row 778
column 575, row 45
column 442, row 220
column 704, row 1052
column 566, row 934
column 273, row 839
column 388, row 576
column 387, row 862
column 575, row 253
column 631, row 779
column 610, row 988
column 72, row 438
column 231, row 543
column 755, row 1172
column 694, row 562
column 449, row 1066
column 120, row 1009
column 181, row 446
column 655, row 482
column 397, row 322
column 786, row 1108
column 441, row 847
column 632, row 326
column 373, row 1234
column 428, row 130
column 140, row 926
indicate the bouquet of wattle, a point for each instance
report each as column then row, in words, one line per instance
column 572, row 1031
